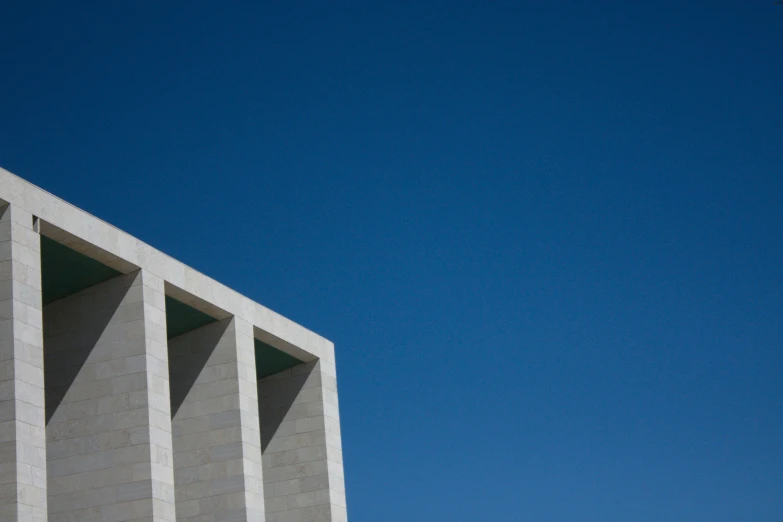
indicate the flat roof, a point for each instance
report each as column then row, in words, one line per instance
column 93, row 237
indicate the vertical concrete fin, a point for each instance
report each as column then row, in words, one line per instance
column 158, row 398
column 22, row 424
column 251, row 430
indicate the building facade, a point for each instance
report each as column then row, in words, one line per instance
column 136, row 389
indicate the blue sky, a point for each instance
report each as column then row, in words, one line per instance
column 546, row 237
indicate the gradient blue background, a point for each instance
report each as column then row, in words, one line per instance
column 546, row 237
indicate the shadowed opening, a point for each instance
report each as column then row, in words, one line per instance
column 65, row 271
column 182, row 318
column 67, row 349
column 270, row 360
column 188, row 355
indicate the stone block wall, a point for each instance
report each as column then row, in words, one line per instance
column 109, row 454
column 22, row 428
column 217, row 453
column 301, row 445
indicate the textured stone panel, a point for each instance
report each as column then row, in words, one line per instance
column 22, row 429
column 217, row 454
column 108, row 428
column 301, row 445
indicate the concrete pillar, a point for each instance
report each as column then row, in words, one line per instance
column 22, row 428
column 109, row 455
column 301, row 445
column 217, row 453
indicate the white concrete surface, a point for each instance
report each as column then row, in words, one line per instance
column 22, row 428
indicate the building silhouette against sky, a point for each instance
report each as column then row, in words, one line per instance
column 134, row 388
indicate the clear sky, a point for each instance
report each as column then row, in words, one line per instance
column 546, row 237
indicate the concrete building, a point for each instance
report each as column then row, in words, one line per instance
column 134, row 388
